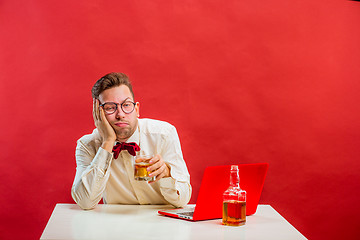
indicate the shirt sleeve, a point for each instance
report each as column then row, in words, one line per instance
column 91, row 175
column 175, row 189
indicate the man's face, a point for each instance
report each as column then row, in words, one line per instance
column 124, row 124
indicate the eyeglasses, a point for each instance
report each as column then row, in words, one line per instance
column 111, row 107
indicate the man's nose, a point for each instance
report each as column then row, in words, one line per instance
column 119, row 112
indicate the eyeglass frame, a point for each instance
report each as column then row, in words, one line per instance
column 117, row 106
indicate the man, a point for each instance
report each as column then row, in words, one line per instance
column 102, row 173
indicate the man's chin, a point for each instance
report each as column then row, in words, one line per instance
column 123, row 134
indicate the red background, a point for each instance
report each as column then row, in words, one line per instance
column 243, row 81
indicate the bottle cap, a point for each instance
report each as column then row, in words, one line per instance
column 234, row 167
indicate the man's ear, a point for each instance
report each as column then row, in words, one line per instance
column 137, row 109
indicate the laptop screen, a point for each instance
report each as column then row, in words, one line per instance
column 216, row 180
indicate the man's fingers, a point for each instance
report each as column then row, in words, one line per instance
column 93, row 112
column 155, row 159
column 158, row 168
column 158, row 171
column 96, row 110
column 158, row 177
column 156, row 163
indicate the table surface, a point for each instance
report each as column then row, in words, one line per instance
column 107, row 221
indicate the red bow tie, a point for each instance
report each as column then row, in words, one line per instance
column 130, row 147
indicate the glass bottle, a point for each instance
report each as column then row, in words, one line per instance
column 234, row 201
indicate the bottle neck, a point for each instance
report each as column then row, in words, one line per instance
column 234, row 179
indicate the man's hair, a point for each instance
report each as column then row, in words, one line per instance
column 111, row 80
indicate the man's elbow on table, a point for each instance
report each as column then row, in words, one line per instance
column 83, row 202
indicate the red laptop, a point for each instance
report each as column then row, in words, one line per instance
column 215, row 181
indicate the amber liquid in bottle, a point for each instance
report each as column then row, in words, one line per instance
column 234, row 213
column 234, row 201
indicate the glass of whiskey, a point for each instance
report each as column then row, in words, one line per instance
column 140, row 167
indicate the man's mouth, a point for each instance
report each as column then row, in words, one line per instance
column 121, row 124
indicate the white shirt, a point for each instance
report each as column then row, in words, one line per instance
column 99, row 175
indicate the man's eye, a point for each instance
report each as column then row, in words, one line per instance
column 109, row 107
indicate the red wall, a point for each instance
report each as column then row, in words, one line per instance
column 243, row 81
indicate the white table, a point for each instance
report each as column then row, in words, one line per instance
column 143, row 222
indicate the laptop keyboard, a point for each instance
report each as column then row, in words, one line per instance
column 190, row 214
